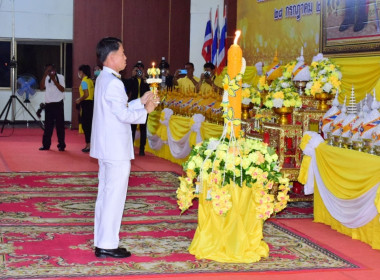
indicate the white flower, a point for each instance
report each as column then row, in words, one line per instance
column 285, row 85
column 322, row 72
column 277, row 102
column 245, row 85
column 324, row 80
column 246, row 101
column 309, row 85
column 327, row 87
column 212, row 145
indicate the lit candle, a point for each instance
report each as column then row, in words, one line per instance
column 234, row 62
column 153, row 70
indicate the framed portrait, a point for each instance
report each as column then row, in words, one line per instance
column 350, row 27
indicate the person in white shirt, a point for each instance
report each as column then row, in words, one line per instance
column 54, row 84
column 111, row 144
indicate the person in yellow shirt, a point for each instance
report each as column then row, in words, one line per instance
column 187, row 83
column 86, row 101
column 208, row 83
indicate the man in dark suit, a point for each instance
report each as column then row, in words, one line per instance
column 135, row 87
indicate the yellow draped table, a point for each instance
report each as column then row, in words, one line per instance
column 179, row 127
column 347, row 175
column 234, row 238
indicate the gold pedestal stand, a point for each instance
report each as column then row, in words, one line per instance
column 322, row 98
column 283, row 112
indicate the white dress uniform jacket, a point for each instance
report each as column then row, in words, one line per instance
column 111, row 136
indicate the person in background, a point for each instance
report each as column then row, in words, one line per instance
column 167, row 79
column 207, row 82
column 54, row 84
column 136, row 86
column 187, row 83
column 111, row 144
column 97, row 71
column 86, row 102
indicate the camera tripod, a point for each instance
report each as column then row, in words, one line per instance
column 7, row 109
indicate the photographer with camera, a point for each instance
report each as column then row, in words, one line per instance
column 135, row 87
column 54, row 84
column 187, row 83
column 167, row 79
column 208, row 82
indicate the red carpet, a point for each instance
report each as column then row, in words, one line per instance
column 19, row 152
column 47, row 225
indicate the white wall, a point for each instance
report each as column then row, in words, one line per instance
column 36, row 19
column 200, row 10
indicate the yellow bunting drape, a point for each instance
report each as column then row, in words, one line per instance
column 347, row 173
column 362, row 72
column 179, row 126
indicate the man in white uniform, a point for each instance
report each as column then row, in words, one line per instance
column 111, row 144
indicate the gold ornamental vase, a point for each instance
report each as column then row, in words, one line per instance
column 245, row 111
column 322, row 98
column 283, row 112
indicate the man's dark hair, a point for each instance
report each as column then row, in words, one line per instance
column 86, row 69
column 190, row 64
column 50, row 65
column 139, row 64
column 106, row 46
column 209, row 65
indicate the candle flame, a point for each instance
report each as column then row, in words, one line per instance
column 237, row 35
column 153, row 64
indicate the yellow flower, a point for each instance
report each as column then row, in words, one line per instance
column 191, row 165
column 316, row 88
column 207, row 164
column 260, row 158
column 230, row 166
column 245, row 163
column 245, row 93
column 190, row 173
column 279, row 94
column 262, row 81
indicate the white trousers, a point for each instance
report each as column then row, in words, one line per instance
column 112, row 191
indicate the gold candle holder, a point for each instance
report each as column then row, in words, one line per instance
column 154, row 82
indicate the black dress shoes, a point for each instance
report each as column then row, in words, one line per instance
column 86, row 150
column 113, row 253
column 43, row 148
column 141, row 153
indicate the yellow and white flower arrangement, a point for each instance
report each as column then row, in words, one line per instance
column 214, row 166
column 325, row 77
column 250, row 95
column 282, row 92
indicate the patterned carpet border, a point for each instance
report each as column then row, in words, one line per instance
column 44, row 232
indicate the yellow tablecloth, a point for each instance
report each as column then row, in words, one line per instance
column 236, row 238
column 348, row 174
column 179, row 126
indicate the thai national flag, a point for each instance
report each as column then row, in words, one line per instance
column 215, row 41
column 222, row 57
column 206, row 50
